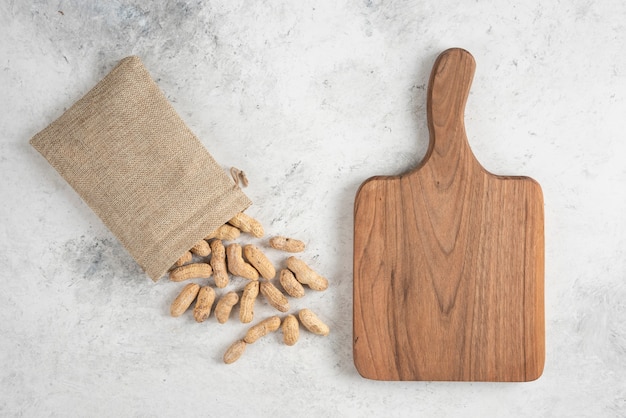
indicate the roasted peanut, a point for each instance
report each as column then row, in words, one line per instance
column 291, row 330
column 235, row 351
column 259, row 261
column 311, row 322
column 246, row 307
column 184, row 259
column 225, row 232
column 237, row 266
column 290, row 284
column 261, row 329
column 290, row 245
column 218, row 262
column 247, row 224
column 184, row 299
column 204, row 303
column 225, row 306
column 274, row 296
column 191, row 271
column 306, row 275
column 201, row 248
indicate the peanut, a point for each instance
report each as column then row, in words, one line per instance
column 204, row 303
column 291, row 330
column 306, row 275
column 311, row 322
column 247, row 224
column 261, row 329
column 184, row 299
column 225, row 306
column 290, row 245
column 184, row 259
column 201, row 248
column 225, row 232
column 290, row 284
column 246, row 307
column 218, row 262
column 259, row 261
column 274, row 296
column 235, row 351
column 191, row 271
column 237, row 266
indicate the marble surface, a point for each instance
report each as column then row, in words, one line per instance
column 310, row 99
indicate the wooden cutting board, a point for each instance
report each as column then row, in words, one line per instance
column 449, row 259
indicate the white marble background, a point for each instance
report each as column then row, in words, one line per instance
column 310, row 99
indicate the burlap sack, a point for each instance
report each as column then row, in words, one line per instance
column 131, row 158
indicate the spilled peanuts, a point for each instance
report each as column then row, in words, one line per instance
column 290, row 284
column 225, row 232
column 274, row 296
column 262, row 329
column 311, row 322
column 184, row 259
column 246, row 306
column 306, row 275
column 204, row 303
column 201, row 249
column 259, row 261
column 184, row 299
column 235, row 351
column 236, row 264
column 225, row 306
column 291, row 330
column 217, row 262
column 289, row 245
column 247, row 224
column 191, row 271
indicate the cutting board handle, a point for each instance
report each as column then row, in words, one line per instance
column 448, row 89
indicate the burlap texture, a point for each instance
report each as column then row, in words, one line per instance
column 132, row 159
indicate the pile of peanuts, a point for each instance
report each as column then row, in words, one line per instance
column 252, row 264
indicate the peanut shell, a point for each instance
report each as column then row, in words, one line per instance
column 291, row 330
column 225, row 306
column 289, row 245
column 184, row 299
column 201, row 248
column 247, row 224
column 218, row 263
column 311, row 322
column 204, row 303
column 235, row 351
column 274, row 296
column 191, row 271
column 246, row 306
column 292, row 286
column 236, row 264
column 306, row 275
column 259, row 261
column 261, row 329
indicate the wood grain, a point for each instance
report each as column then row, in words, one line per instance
column 449, row 259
